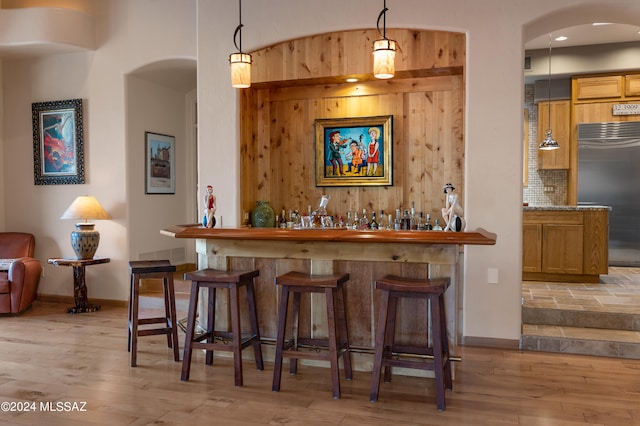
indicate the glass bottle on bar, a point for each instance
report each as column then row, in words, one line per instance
column 397, row 223
column 320, row 212
column 382, row 221
column 428, row 226
column 364, row 220
column 356, row 221
column 283, row 220
column 437, row 226
column 349, row 223
column 420, row 222
column 413, row 219
column 374, row 224
column 406, row 221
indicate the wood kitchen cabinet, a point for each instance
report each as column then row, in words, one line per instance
column 557, row 159
column 600, row 87
column 565, row 244
column 562, row 252
column 532, row 247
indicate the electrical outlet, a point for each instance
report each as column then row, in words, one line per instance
column 492, row 275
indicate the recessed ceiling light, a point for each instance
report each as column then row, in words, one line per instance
column 598, row 24
column 561, row 38
column 351, row 80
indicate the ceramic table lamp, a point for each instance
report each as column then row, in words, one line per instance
column 85, row 238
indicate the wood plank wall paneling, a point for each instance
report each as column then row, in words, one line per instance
column 298, row 81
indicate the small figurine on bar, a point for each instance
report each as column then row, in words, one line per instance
column 209, row 220
column 452, row 212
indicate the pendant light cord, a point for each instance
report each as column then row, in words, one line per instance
column 383, row 15
column 549, row 89
column 238, row 28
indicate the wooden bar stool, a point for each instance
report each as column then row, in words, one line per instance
column 388, row 353
column 222, row 340
column 143, row 269
column 338, row 340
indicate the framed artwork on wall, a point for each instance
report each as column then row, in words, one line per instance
column 58, row 147
column 160, row 170
column 354, row 151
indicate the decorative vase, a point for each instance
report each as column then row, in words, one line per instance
column 262, row 215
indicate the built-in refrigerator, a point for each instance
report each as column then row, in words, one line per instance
column 609, row 175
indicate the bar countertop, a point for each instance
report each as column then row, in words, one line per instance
column 196, row 231
column 566, row 208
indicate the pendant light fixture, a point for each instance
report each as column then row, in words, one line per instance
column 549, row 143
column 384, row 50
column 240, row 62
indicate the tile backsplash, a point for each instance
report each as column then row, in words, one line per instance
column 545, row 187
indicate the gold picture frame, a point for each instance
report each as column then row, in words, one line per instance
column 354, row 151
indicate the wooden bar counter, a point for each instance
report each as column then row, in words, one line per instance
column 365, row 255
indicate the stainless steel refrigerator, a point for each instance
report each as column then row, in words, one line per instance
column 609, row 175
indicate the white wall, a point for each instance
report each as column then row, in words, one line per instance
column 155, row 108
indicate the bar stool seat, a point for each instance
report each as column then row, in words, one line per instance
column 212, row 339
column 389, row 354
column 330, row 349
column 144, row 269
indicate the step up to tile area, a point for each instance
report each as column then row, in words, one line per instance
column 601, row 319
column 581, row 340
column 611, row 334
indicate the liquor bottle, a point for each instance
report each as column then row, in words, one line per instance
column 364, row 220
column 382, row 221
column 320, row 212
column 390, row 223
column 276, row 223
column 406, row 220
column 420, row 222
column 290, row 219
column 283, row 220
column 356, row 221
column 397, row 223
column 413, row 219
column 373, row 224
column 428, row 226
column 246, row 221
column 437, row 226
column 349, row 223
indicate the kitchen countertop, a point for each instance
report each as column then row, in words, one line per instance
column 565, row 208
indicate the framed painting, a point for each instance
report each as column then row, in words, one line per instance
column 58, row 148
column 354, row 151
column 160, row 170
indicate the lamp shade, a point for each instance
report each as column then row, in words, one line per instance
column 384, row 54
column 85, row 207
column 85, row 239
column 548, row 144
column 240, row 70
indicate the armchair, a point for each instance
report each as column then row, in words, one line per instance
column 19, row 272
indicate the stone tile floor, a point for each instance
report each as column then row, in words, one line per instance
column 619, row 291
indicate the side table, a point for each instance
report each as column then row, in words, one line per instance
column 79, row 284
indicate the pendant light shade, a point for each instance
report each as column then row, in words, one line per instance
column 240, row 70
column 549, row 144
column 240, row 62
column 384, row 50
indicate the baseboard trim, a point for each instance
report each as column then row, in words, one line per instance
column 490, row 342
column 56, row 298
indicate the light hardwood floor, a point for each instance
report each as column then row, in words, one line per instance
column 49, row 355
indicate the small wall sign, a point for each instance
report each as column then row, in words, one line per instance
column 626, row 109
